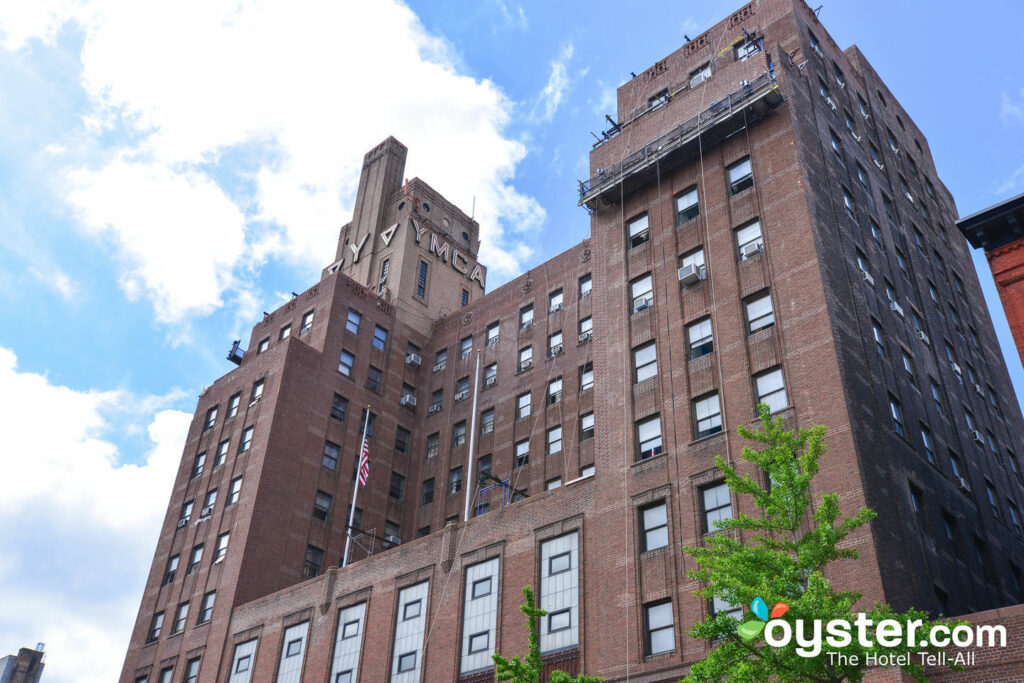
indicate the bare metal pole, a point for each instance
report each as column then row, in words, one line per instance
column 355, row 492
column 472, row 437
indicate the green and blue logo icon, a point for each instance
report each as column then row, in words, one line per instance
column 752, row 629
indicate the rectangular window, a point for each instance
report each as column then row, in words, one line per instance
column 197, row 465
column 586, row 377
column 648, row 437
column 454, row 481
column 192, row 670
column 322, row 506
column 639, row 231
column 307, row 323
column 172, row 569
column 465, row 347
column 929, row 447
column 186, row 513
column 410, row 627
column 195, row 559
column 373, row 378
column 487, row 421
column 346, row 363
column 586, row 286
column 586, row 329
column 233, row 405
column 771, row 389
column 653, row 526
column 741, row 175
column 441, row 360
column 555, row 301
column 641, row 290
column 493, row 334
column 687, row 206
column 760, row 314
column 707, row 413
column 421, row 280
column 459, row 434
column 235, row 491
column 523, row 406
column 716, row 505
column 180, row 616
column 659, row 630
column 206, row 607
column 313, row 563
column 554, row 391
column 555, row 440
column 525, row 317
column 402, row 438
column 330, row 457
column 465, row 297
column 427, row 492
column 397, row 489
column 257, row 391
column 353, row 320
column 436, row 401
column 645, row 362
column 339, row 407
column 586, row 426
column 285, row 332
column 222, row 547
column 558, row 592
column 522, row 452
column 525, row 357
column 896, row 411
column 555, row 344
column 211, row 418
column 699, row 75
column 700, row 339
column 749, row 241
column 433, row 444
column 380, row 337
column 263, row 345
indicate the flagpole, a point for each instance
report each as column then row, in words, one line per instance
column 472, row 437
column 355, row 492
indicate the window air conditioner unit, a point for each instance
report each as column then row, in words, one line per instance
column 644, row 303
column 956, row 368
column 908, row 196
column 855, row 136
column 831, row 103
column 434, row 408
column 896, row 308
column 923, row 337
column 408, row 400
column 492, row 341
column 555, row 309
column 462, row 394
column 393, row 540
column 438, row 367
column 978, row 390
column 557, row 349
column 218, row 560
column 750, row 250
column 413, row 359
column 490, row 381
column 894, row 148
column 691, row 274
column 976, row 435
column 867, row 277
column 254, row 401
column 586, row 294
column 964, row 486
column 523, row 364
column 183, row 522
column 207, row 511
column 585, row 336
column 879, row 164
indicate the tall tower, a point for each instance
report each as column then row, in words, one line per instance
column 767, row 226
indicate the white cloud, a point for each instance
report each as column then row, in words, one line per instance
column 301, row 91
column 79, row 524
column 55, row 279
column 1011, row 110
column 558, row 85
column 1012, row 184
column 513, row 15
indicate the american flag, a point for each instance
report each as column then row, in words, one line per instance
column 364, row 462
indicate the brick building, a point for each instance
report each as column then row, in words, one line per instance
column 766, row 225
column 999, row 230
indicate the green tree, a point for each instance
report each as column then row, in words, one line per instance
column 529, row 670
column 781, row 558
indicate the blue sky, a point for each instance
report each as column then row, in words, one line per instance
column 167, row 173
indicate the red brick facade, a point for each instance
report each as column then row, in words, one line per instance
column 780, row 106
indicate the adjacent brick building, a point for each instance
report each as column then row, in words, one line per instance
column 999, row 230
column 766, row 225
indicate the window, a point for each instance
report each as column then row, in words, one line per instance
column 840, row 78
column 313, row 563
column 397, row 489
column 454, row 481
column 719, row 606
column 699, row 75
column 285, row 332
column 554, row 390
column 433, row 444
column 353, row 320
column 186, row 513
column 747, row 48
column 1014, row 516
column 990, row 492
column 257, row 391
column 373, row 378
column 687, row 206
column 707, row 413
column 222, row 547
column 233, row 405
column 483, row 465
column 465, row 297
column 380, row 337
column 700, row 339
column 555, row 440
column 206, row 607
column 322, row 506
column 645, row 362
column 771, row 389
column 759, row 313
column 402, row 438
column 641, row 291
column 195, row 559
column 192, row 670
column 749, row 240
column 466, row 347
column 307, row 323
column 525, row 317
column 172, row 569
column 586, row 377
column 908, row 366
column 436, row 401
column 587, row 471
column 876, row 234
column 180, row 616
column 522, row 452
column 741, row 176
column 346, row 363
column 586, row 286
column 863, row 106
column 586, row 328
column 262, row 346
column 879, row 336
column 330, row 457
column 197, row 466
column 896, row 411
column 815, row 45
column 427, row 492
column 890, row 210
column 487, row 421
column 339, row 407
column 851, row 208
column 653, row 526
column 659, row 630
column 929, row 447
column 459, row 434
column 555, row 344
column 209, row 501
column 586, row 426
column 837, row 145
column 716, row 506
column 695, row 259
column 421, row 280
column 555, row 301
column 211, row 418
column 639, row 230
column 440, row 360
column 234, row 491
column 493, row 334
column 648, row 437
column 523, row 406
